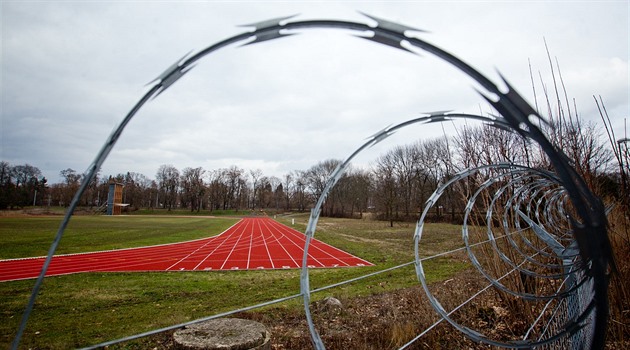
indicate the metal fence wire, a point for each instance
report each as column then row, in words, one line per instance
column 543, row 227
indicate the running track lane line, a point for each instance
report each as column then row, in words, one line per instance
column 234, row 247
column 273, row 266
column 316, row 248
column 234, row 231
column 161, row 257
column 292, row 244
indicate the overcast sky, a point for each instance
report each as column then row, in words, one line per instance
column 72, row 70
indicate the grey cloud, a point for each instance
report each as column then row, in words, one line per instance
column 71, row 70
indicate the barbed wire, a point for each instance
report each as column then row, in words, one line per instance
column 580, row 253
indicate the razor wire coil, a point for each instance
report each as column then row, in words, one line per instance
column 554, row 228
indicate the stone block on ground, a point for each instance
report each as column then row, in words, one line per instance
column 224, row 334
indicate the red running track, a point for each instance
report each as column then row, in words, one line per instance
column 250, row 244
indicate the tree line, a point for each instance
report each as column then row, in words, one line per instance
column 395, row 187
column 20, row 185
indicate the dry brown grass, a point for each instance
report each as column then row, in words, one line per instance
column 380, row 321
column 619, row 290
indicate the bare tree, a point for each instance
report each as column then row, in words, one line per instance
column 227, row 189
column 168, row 182
column 277, row 192
column 316, row 178
column 386, row 188
column 360, row 189
column 72, row 181
column 217, row 189
column 255, row 174
column 299, row 193
column 192, row 188
column 287, row 188
column 265, row 192
column 236, row 184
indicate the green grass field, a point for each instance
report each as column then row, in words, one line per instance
column 83, row 309
column 27, row 237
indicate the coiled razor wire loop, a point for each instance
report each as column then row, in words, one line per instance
column 587, row 218
column 515, row 258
